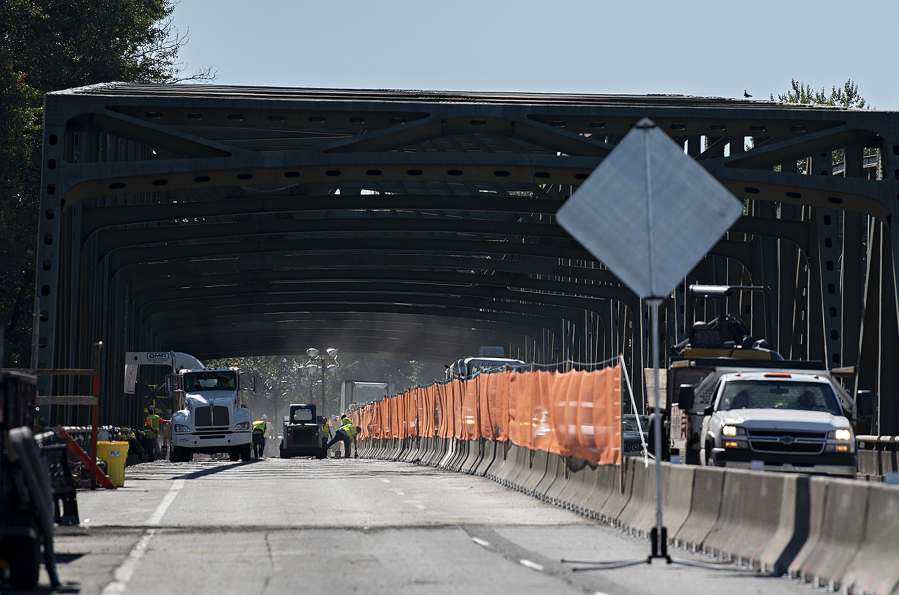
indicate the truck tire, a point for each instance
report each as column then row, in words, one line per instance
column 323, row 453
column 247, row 453
column 181, row 454
column 281, row 452
column 24, row 556
column 234, row 456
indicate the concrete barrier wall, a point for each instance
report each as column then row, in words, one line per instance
column 708, row 485
column 837, row 515
column 875, row 568
column 836, row 533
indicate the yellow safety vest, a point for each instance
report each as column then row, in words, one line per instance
column 348, row 427
column 261, row 424
column 152, row 423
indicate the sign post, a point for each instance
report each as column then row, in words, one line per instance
column 650, row 213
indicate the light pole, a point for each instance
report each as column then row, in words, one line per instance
column 323, row 363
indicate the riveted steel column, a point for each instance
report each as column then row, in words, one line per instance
column 827, row 240
column 851, row 266
column 868, row 373
column 888, row 390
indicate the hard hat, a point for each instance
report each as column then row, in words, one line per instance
column 151, row 409
column 264, row 416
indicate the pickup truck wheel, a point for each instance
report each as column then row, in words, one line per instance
column 321, row 454
column 704, row 456
column 281, row 452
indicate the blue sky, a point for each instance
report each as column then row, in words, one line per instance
column 697, row 47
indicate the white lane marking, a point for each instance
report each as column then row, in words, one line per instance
column 401, row 493
column 125, row 571
column 530, row 564
column 419, row 507
column 600, row 593
column 480, row 541
column 166, row 502
column 386, row 480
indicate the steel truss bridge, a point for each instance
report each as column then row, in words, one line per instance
column 225, row 221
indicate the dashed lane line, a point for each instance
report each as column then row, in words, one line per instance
column 125, row 571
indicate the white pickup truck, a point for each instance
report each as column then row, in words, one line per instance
column 786, row 419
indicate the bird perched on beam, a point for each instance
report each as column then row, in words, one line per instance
column 745, row 94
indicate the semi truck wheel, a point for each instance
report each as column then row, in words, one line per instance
column 234, row 455
column 247, row 453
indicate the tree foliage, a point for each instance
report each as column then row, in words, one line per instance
column 47, row 45
column 845, row 96
column 290, row 384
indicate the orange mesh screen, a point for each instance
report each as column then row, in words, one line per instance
column 572, row 413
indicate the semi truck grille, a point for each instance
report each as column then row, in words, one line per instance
column 303, row 435
column 218, row 416
column 786, row 441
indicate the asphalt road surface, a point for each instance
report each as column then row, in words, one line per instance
column 352, row 526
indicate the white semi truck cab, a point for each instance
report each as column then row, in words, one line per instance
column 212, row 416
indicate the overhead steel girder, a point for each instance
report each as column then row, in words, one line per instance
column 345, row 323
column 125, row 177
column 174, row 319
column 290, row 281
column 273, row 267
column 126, row 256
column 97, row 218
column 478, row 298
column 109, row 240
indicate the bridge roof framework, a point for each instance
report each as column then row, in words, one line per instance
column 257, row 220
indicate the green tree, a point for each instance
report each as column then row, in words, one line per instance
column 45, row 46
column 846, row 96
column 284, row 374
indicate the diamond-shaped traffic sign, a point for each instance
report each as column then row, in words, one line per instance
column 649, row 212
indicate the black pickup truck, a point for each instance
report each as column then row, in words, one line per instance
column 302, row 433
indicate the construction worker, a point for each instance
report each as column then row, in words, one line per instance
column 151, row 433
column 345, row 434
column 262, row 429
column 326, row 433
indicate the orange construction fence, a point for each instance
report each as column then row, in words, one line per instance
column 569, row 413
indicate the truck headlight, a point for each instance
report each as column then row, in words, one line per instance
column 244, row 425
column 732, row 431
column 841, row 434
column 180, row 428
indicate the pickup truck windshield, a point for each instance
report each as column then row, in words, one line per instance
column 806, row 396
column 196, row 381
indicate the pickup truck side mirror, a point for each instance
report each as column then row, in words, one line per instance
column 864, row 403
column 685, row 396
column 708, row 410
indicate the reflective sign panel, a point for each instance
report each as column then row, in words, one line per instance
column 649, row 212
